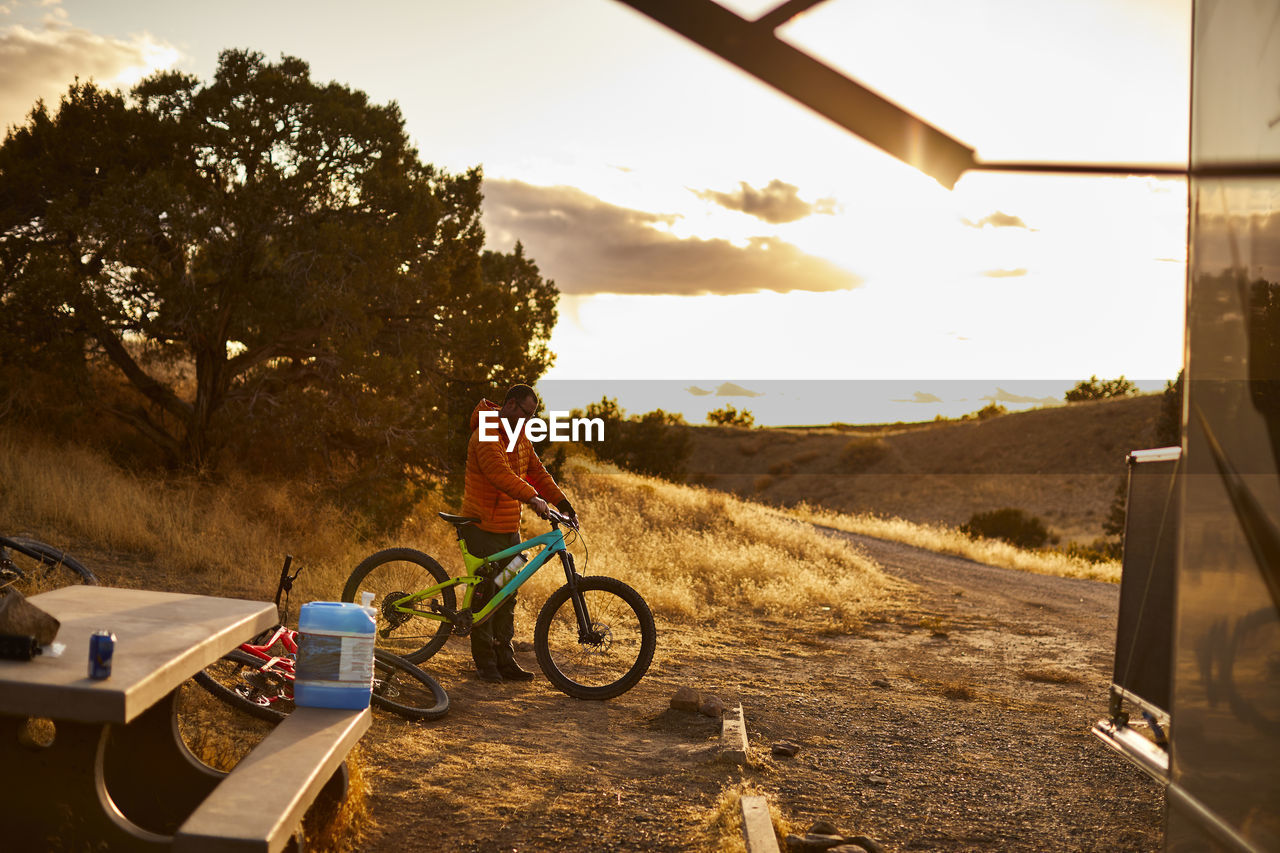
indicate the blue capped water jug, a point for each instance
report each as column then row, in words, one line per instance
column 335, row 655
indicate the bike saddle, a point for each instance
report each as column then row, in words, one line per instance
column 459, row 520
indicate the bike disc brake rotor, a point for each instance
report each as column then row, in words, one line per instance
column 598, row 640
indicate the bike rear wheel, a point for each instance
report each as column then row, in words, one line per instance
column 392, row 574
column 49, row 568
column 612, row 656
column 237, row 679
column 401, row 687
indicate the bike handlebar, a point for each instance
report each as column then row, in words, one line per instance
column 559, row 518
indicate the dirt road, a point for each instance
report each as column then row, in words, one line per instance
column 960, row 723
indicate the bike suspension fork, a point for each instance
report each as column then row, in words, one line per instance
column 575, row 595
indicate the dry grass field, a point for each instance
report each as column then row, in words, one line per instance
column 692, row 552
column 750, row 602
column 945, row 539
column 1061, row 463
column 699, row 557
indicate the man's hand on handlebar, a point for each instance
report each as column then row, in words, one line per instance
column 539, row 506
column 562, row 518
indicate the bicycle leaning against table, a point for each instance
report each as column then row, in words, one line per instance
column 594, row 636
column 31, row 567
column 258, row 676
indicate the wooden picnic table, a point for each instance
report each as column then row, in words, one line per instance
column 117, row 774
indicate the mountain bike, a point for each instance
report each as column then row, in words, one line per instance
column 258, row 676
column 594, row 636
column 31, row 567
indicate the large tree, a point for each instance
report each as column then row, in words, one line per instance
column 267, row 264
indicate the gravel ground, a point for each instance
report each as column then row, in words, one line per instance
column 958, row 723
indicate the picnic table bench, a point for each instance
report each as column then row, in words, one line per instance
column 117, row 774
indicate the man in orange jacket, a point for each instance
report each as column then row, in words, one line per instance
column 498, row 482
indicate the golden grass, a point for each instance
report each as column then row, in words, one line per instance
column 949, row 540
column 228, row 536
column 693, row 553
column 724, row 826
column 698, row 555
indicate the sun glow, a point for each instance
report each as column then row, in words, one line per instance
column 153, row 56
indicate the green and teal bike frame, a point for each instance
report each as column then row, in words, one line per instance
column 551, row 542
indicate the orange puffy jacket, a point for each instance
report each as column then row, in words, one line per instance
column 499, row 483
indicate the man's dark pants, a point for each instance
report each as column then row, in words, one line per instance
column 491, row 639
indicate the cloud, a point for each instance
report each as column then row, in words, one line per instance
column 1003, row 396
column 999, row 219
column 697, row 392
column 41, row 63
column 590, row 246
column 777, row 203
column 732, row 389
column 921, row 397
column 1020, row 271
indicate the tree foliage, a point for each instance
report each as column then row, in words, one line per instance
column 1094, row 388
column 326, row 293
column 731, row 416
column 655, row 443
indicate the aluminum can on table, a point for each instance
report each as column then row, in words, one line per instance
column 102, row 646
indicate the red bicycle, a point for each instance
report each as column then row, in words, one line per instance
column 258, row 677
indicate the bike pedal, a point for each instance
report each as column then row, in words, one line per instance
column 264, row 682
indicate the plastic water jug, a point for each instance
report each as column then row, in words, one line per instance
column 335, row 655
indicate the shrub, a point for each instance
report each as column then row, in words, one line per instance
column 862, row 452
column 1094, row 388
column 1098, row 551
column 991, row 410
column 655, row 443
column 1009, row 525
column 729, row 416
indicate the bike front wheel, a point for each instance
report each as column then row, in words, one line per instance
column 401, row 687
column 239, row 680
column 45, row 567
column 390, row 575
column 615, row 651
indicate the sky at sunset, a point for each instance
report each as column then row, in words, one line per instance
column 714, row 241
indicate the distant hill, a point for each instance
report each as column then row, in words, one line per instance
column 1061, row 463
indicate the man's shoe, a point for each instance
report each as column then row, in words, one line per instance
column 511, row 671
column 489, row 673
